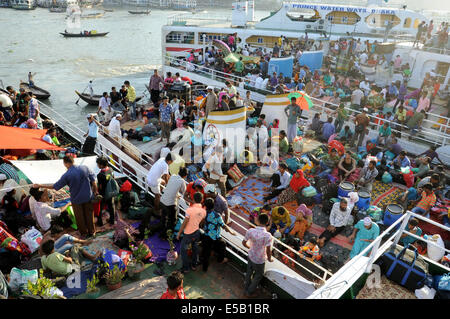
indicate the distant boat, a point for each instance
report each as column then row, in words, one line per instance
column 108, row 10
column 57, row 9
column 40, row 93
column 23, row 4
column 92, row 15
column 83, row 35
column 140, row 12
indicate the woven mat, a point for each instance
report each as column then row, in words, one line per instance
column 388, row 290
column 144, row 289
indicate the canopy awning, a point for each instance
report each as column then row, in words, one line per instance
column 16, row 138
column 49, row 172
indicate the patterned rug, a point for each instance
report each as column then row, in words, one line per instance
column 388, row 290
column 251, row 194
column 385, row 194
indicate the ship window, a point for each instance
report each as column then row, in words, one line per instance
column 416, row 23
column 180, row 37
column 260, row 40
column 330, row 18
column 303, row 15
column 344, row 19
column 407, row 23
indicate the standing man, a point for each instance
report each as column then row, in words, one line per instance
column 356, row 98
column 292, row 112
column 214, row 166
column 114, row 127
column 33, row 109
column 259, row 251
column 30, row 79
column 116, row 100
column 361, row 123
column 82, row 188
column 220, row 203
column 157, row 176
column 175, row 189
column 155, row 86
column 165, row 118
column 104, row 107
column 131, row 98
column 190, row 229
column 211, row 101
column 401, row 96
column 91, row 89
column 91, row 135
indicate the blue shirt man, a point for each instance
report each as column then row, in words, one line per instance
column 93, row 129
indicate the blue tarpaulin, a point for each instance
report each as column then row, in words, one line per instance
column 281, row 65
column 312, row 60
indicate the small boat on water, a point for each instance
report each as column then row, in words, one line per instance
column 108, row 10
column 95, row 99
column 56, row 9
column 83, row 35
column 139, row 11
column 92, row 15
column 22, row 4
column 40, row 93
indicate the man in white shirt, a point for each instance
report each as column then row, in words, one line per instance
column 175, row 189
column 45, row 213
column 114, row 127
column 280, row 181
column 245, row 51
column 175, row 104
column 259, row 81
column 339, row 217
column 365, row 86
column 91, row 89
column 104, row 107
column 363, row 58
column 157, row 176
column 263, row 136
column 214, row 166
column 357, row 96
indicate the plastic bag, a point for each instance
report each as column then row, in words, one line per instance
column 435, row 253
column 444, row 282
column 386, row 178
column 425, row 293
column 32, row 238
column 19, row 278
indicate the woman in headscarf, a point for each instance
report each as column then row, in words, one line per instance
column 297, row 183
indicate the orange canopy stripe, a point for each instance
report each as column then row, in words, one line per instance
column 15, row 138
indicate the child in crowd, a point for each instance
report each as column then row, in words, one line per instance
column 174, row 286
column 310, row 250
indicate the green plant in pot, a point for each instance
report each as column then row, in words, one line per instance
column 43, row 287
column 92, row 291
column 136, row 265
column 113, row 278
column 172, row 254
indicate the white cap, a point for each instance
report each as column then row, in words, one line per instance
column 365, row 109
column 210, row 189
column 210, row 87
column 3, row 177
column 367, row 221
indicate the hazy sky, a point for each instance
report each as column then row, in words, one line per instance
column 427, row 4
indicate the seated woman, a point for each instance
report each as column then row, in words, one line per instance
column 246, row 162
column 297, row 183
column 346, row 166
column 365, row 232
column 303, row 221
column 12, row 216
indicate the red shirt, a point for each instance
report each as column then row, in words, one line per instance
column 180, row 294
column 191, row 191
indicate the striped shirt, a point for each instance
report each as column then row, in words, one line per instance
column 427, row 201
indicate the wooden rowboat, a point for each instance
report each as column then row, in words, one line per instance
column 40, row 93
column 82, row 35
column 139, row 12
column 95, row 99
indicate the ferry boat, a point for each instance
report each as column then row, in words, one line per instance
column 23, row 4
column 320, row 21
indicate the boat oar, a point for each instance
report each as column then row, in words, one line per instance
column 82, row 93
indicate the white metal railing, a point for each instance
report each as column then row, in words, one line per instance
column 360, row 264
column 133, row 176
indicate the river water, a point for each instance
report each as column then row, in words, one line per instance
column 31, row 42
